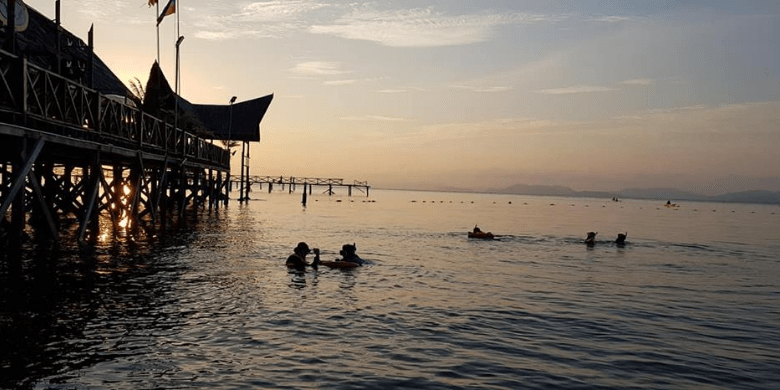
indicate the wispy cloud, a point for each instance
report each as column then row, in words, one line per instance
column 613, row 19
column 260, row 19
column 638, row 82
column 318, row 68
column 483, row 89
column 374, row 118
column 339, row 82
column 421, row 27
column 576, row 89
column 392, row 91
column 627, row 118
column 415, row 27
column 279, row 10
column 101, row 9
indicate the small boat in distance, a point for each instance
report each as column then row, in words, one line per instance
column 478, row 233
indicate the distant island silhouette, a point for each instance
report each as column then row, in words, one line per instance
column 661, row 194
column 755, row 196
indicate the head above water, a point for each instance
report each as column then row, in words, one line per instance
column 347, row 249
column 302, row 249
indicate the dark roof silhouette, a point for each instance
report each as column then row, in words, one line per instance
column 38, row 43
column 244, row 124
column 209, row 120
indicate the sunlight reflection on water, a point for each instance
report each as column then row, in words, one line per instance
column 685, row 304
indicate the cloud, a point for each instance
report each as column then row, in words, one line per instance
column 101, row 9
column 638, row 82
column 483, row 89
column 421, row 27
column 374, row 118
column 392, row 91
column 318, row 68
column 260, row 19
column 275, row 11
column 339, row 82
column 613, row 19
column 416, row 27
column 576, row 89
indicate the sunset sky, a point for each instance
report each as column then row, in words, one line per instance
column 594, row 95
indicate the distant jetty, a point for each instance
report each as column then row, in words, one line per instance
column 291, row 183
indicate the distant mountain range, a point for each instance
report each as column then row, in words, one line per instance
column 673, row 194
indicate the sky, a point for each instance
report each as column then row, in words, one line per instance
column 434, row 94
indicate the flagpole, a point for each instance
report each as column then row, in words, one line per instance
column 178, row 33
column 158, row 33
column 178, row 11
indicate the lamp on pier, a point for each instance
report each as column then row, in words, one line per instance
column 230, row 123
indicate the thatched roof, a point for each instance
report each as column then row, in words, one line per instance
column 38, row 43
column 220, row 122
column 240, row 123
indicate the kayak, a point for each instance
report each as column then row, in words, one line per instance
column 481, row 235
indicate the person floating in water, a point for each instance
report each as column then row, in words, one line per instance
column 297, row 260
column 349, row 259
column 591, row 239
column 621, row 238
column 478, row 233
column 348, row 254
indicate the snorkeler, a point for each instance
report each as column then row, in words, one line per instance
column 297, row 260
column 348, row 254
column 591, row 240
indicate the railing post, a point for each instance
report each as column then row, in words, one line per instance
column 23, row 89
column 97, row 112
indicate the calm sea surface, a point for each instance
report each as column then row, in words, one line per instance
column 691, row 301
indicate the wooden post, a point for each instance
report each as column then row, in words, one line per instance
column 10, row 27
column 182, row 190
column 241, row 182
column 248, row 183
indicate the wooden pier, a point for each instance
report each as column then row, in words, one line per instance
column 291, row 183
column 77, row 147
column 67, row 151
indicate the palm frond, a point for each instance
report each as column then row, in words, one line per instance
column 137, row 89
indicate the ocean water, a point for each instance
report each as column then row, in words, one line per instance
column 691, row 301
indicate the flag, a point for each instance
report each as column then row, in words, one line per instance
column 169, row 9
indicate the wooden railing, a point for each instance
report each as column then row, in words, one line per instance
column 296, row 180
column 40, row 99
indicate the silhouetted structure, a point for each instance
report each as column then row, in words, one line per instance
column 76, row 144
